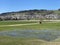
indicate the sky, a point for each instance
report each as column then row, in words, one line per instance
column 18, row 5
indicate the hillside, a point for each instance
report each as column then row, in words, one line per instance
column 31, row 14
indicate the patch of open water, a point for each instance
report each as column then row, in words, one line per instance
column 47, row 35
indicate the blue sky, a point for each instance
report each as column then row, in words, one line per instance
column 17, row 5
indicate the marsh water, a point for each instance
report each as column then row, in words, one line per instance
column 47, row 35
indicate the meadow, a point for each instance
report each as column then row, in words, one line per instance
column 8, row 40
column 44, row 25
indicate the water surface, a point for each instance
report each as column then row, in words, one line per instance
column 47, row 35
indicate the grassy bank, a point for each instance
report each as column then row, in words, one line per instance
column 21, row 41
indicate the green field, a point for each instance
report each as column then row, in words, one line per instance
column 44, row 25
column 23, row 41
column 15, row 22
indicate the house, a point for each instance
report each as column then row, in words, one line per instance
column 51, row 16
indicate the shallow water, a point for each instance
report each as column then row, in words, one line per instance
column 47, row 35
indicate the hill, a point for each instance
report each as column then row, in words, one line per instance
column 31, row 14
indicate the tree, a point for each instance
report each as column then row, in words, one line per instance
column 58, row 9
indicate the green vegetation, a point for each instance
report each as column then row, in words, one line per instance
column 5, row 40
column 15, row 22
column 19, row 41
column 44, row 25
column 57, row 12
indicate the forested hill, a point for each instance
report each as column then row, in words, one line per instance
column 35, row 11
column 31, row 12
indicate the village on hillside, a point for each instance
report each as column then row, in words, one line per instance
column 30, row 15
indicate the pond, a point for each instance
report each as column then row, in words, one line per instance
column 48, row 35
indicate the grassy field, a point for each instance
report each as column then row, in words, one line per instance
column 19, row 41
column 15, row 22
column 44, row 25
column 32, row 41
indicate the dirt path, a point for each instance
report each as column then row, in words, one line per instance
column 18, row 24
